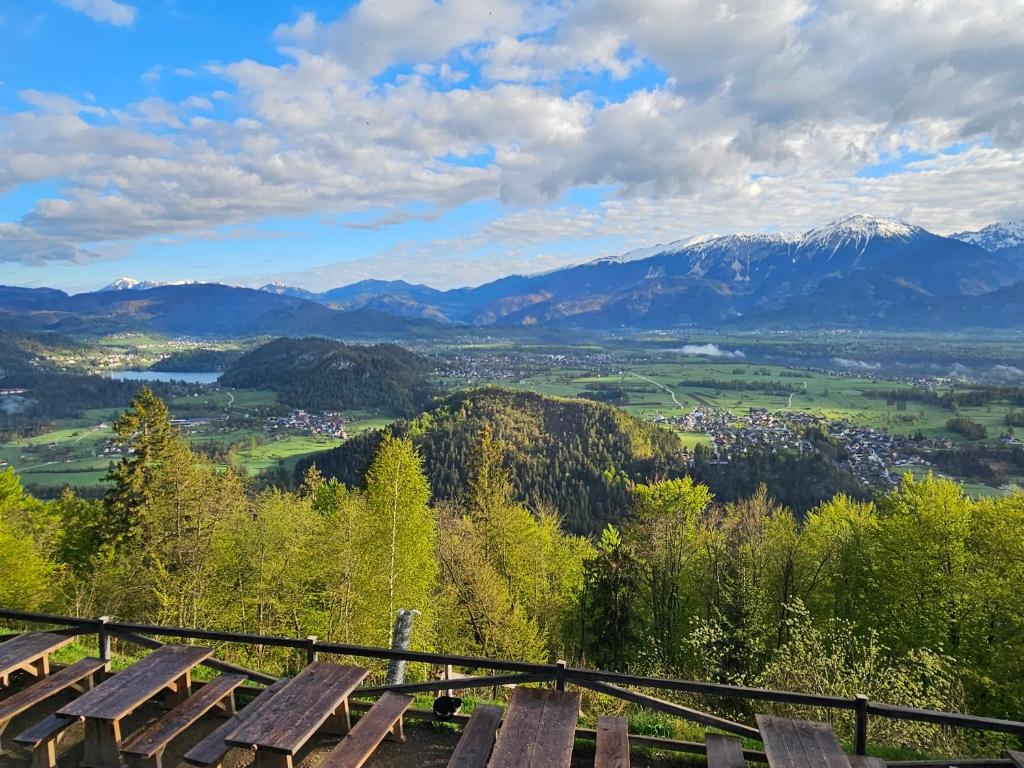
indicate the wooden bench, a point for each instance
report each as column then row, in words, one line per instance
column 539, row 730
column 863, row 761
column 477, row 739
column 210, row 752
column 1016, row 757
column 75, row 676
column 29, row 653
column 147, row 748
column 724, row 751
column 383, row 719
column 42, row 739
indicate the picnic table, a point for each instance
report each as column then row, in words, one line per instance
column 315, row 698
column 29, row 653
column 538, row 730
column 800, row 743
column 103, row 708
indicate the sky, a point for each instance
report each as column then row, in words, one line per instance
column 450, row 142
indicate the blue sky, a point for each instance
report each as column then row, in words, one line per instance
column 451, row 142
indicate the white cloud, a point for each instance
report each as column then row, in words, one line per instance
column 110, row 11
column 769, row 109
column 710, row 350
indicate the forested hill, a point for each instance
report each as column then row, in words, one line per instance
column 576, row 456
column 320, row 374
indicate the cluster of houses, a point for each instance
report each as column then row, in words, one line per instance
column 312, row 424
column 869, row 454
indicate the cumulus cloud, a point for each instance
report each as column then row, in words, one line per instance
column 710, row 350
column 109, row 11
column 758, row 114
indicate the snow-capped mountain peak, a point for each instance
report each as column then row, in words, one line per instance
column 857, row 229
column 130, row 284
column 995, row 237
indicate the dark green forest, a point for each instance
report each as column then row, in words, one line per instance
column 576, row 457
column 320, row 374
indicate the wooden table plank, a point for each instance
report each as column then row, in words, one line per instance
column 127, row 690
column 30, row 649
column 538, row 731
column 1016, row 757
column 301, row 707
column 800, row 744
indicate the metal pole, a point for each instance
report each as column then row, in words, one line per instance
column 400, row 642
column 860, row 736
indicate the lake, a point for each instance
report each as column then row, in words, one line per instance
column 189, row 377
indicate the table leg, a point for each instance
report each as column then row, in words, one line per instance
column 101, row 748
column 181, row 689
column 339, row 723
column 266, row 758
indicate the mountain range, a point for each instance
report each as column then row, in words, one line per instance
column 857, row 271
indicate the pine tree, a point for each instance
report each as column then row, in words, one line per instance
column 145, row 430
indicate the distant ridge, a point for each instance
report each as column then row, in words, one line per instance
column 856, row 271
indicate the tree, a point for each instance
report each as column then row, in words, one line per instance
column 398, row 539
column 145, row 430
column 609, row 605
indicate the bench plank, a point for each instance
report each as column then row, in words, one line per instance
column 380, row 720
column 612, row 743
column 863, row 761
column 295, row 713
column 724, row 751
column 154, row 739
column 1016, row 757
column 477, row 739
column 27, row 698
column 538, row 731
column 42, row 739
column 30, row 650
column 212, row 749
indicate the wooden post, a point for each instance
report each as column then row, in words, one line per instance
column 860, row 735
column 104, row 639
column 311, row 649
column 400, row 642
column 560, row 675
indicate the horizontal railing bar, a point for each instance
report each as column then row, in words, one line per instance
column 215, row 664
column 712, row 689
column 946, row 718
column 49, row 618
column 671, row 708
column 970, row 762
column 458, row 683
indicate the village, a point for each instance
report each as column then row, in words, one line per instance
column 869, row 454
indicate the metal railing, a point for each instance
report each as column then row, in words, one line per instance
column 558, row 673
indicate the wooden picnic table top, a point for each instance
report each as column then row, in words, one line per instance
column 538, row 730
column 800, row 743
column 29, row 647
column 127, row 690
column 288, row 720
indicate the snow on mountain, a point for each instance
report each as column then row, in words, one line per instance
column 995, row 237
column 857, row 230
column 131, row 284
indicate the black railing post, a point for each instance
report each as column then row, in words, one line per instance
column 560, row 675
column 311, row 649
column 103, row 639
column 860, row 734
